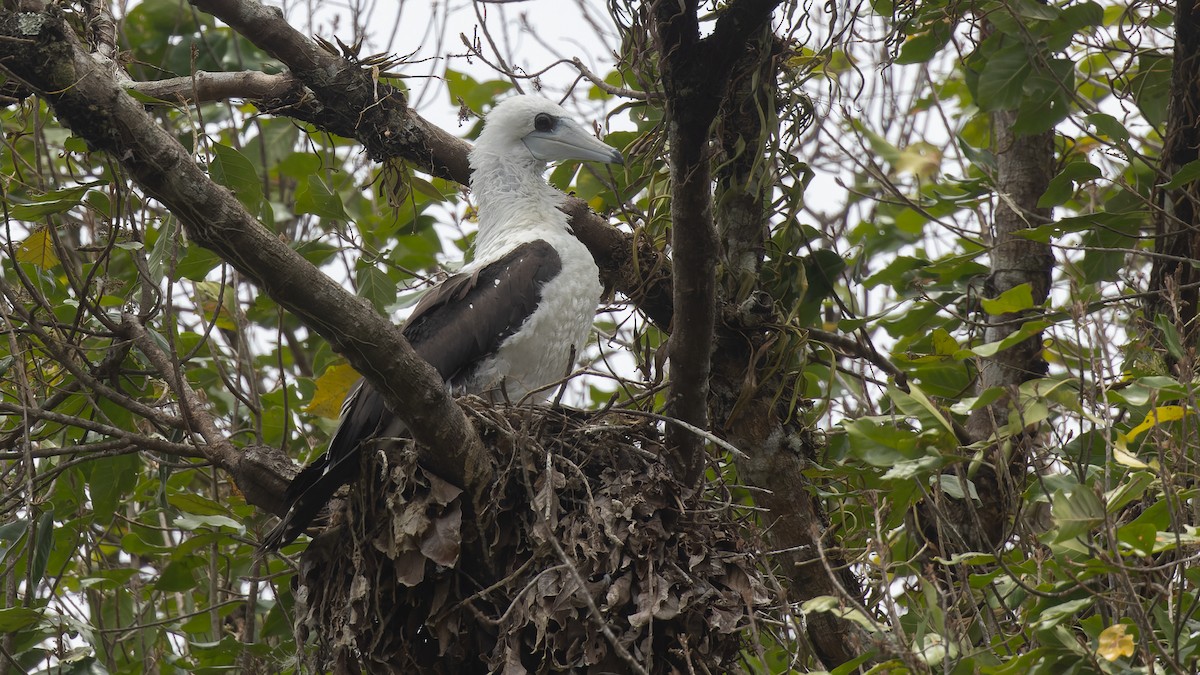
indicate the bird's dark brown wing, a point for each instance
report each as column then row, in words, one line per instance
column 456, row 325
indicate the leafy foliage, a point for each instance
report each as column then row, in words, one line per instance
column 122, row 551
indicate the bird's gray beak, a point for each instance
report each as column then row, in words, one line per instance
column 568, row 140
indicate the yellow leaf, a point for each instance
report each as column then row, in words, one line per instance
column 1115, row 643
column 332, row 387
column 38, row 248
column 1163, row 413
column 1125, row 459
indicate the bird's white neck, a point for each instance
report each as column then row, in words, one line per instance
column 515, row 203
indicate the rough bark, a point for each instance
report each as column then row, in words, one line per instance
column 748, row 410
column 694, row 71
column 1025, row 165
column 1174, row 281
column 723, row 88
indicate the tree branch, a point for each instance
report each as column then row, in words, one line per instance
column 48, row 56
column 345, row 100
column 203, row 86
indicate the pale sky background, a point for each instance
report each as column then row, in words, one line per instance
column 529, row 36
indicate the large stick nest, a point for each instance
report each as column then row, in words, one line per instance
column 583, row 556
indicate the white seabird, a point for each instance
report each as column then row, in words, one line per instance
column 511, row 318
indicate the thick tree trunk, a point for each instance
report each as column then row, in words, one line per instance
column 1025, row 166
column 776, row 454
column 1174, row 278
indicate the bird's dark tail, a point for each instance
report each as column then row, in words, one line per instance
column 309, row 492
column 313, row 487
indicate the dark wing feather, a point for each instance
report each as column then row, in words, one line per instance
column 464, row 319
column 454, row 327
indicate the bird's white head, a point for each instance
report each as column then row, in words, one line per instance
column 538, row 130
column 520, row 136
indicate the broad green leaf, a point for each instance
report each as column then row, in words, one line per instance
column 463, row 88
column 314, row 196
column 1140, row 539
column 1027, row 330
column 190, row 502
column 1076, row 512
column 109, row 481
column 375, row 286
column 199, row 522
column 914, row 402
column 1109, row 126
column 1170, row 335
column 1015, row 299
column 1003, row 77
column 1132, row 487
column 923, row 46
column 1186, row 174
column 1062, row 186
column 48, row 204
column 1150, row 85
column 45, row 544
column 955, row 486
column 179, row 575
column 1056, row 614
column 908, row 469
column 830, row 604
column 14, row 619
column 231, row 169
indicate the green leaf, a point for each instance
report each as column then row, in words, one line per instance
column 314, row 196
column 190, row 502
column 1016, row 299
column 916, row 404
column 196, row 263
column 912, row 468
column 1108, row 126
column 923, row 46
column 1056, row 614
column 880, row 442
column 828, row 603
column 475, row 94
column 1170, row 336
column 1003, row 77
column 45, row 544
column 166, row 244
column 57, row 201
column 375, row 286
column 1140, row 539
column 231, row 169
column 1075, row 513
column 109, row 481
column 955, row 486
column 179, row 575
column 1062, row 186
column 990, row 349
column 16, row 619
column 198, row 522
column 1186, row 174
column 1151, row 85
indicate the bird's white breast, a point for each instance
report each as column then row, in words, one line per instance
column 541, row 351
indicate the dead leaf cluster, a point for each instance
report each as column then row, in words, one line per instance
column 583, row 556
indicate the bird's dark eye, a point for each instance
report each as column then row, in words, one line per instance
column 543, row 122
